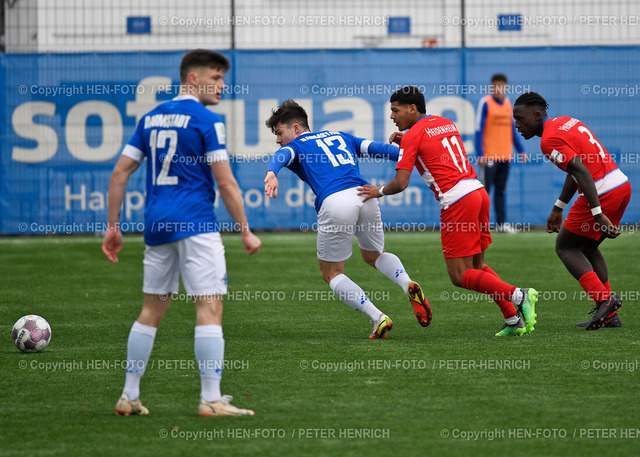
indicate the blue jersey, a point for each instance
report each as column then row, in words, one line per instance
column 180, row 138
column 328, row 161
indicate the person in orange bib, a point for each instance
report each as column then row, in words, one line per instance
column 495, row 139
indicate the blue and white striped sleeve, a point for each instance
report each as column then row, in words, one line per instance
column 368, row 148
column 283, row 157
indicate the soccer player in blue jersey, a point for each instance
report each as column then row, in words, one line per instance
column 327, row 162
column 184, row 144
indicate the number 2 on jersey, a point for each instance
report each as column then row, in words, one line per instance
column 336, row 159
column 447, row 145
column 158, row 141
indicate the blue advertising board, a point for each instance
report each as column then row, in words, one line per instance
column 66, row 118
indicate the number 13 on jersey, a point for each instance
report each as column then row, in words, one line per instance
column 338, row 159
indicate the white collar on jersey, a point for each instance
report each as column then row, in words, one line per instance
column 185, row 97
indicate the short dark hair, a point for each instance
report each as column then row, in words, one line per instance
column 532, row 99
column 410, row 95
column 288, row 112
column 199, row 58
column 499, row 77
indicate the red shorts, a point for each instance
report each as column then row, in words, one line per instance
column 464, row 226
column 580, row 220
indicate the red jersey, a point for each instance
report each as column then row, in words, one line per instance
column 564, row 138
column 433, row 145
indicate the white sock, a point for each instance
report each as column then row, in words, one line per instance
column 139, row 348
column 390, row 265
column 351, row 293
column 517, row 297
column 209, row 351
column 512, row 320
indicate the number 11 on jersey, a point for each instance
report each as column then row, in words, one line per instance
column 447, row 145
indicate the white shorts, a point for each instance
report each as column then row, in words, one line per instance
column 198, row 259
column 343, row 215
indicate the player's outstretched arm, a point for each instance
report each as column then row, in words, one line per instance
column 232, row 198
column 271, row 184
column 281, row 158
column 375, row 149
column 112, row 243
column 380, row 150
column 399, row 183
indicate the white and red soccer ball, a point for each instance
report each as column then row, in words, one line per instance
column 31, row 333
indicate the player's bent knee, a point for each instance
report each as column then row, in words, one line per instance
column 371, row 261
column 329, row 276
column 150, row 317
column 456, row 279
column 560, row 249
column 208, row 313
column 370, row 257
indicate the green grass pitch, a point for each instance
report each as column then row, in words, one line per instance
column 302, row 360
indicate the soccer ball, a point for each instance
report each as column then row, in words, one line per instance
column 31, row 333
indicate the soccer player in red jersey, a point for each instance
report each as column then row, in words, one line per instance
column 433, row 145
column 604, row 192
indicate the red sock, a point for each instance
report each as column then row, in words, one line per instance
column 488, row 269
column 507, row 308
column 594, row 287
column 490, row 283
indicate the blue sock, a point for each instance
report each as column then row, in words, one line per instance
column 209, row 350
column 139, row 348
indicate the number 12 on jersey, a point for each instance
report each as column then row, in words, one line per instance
column 463, row 159
column 158, row 140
